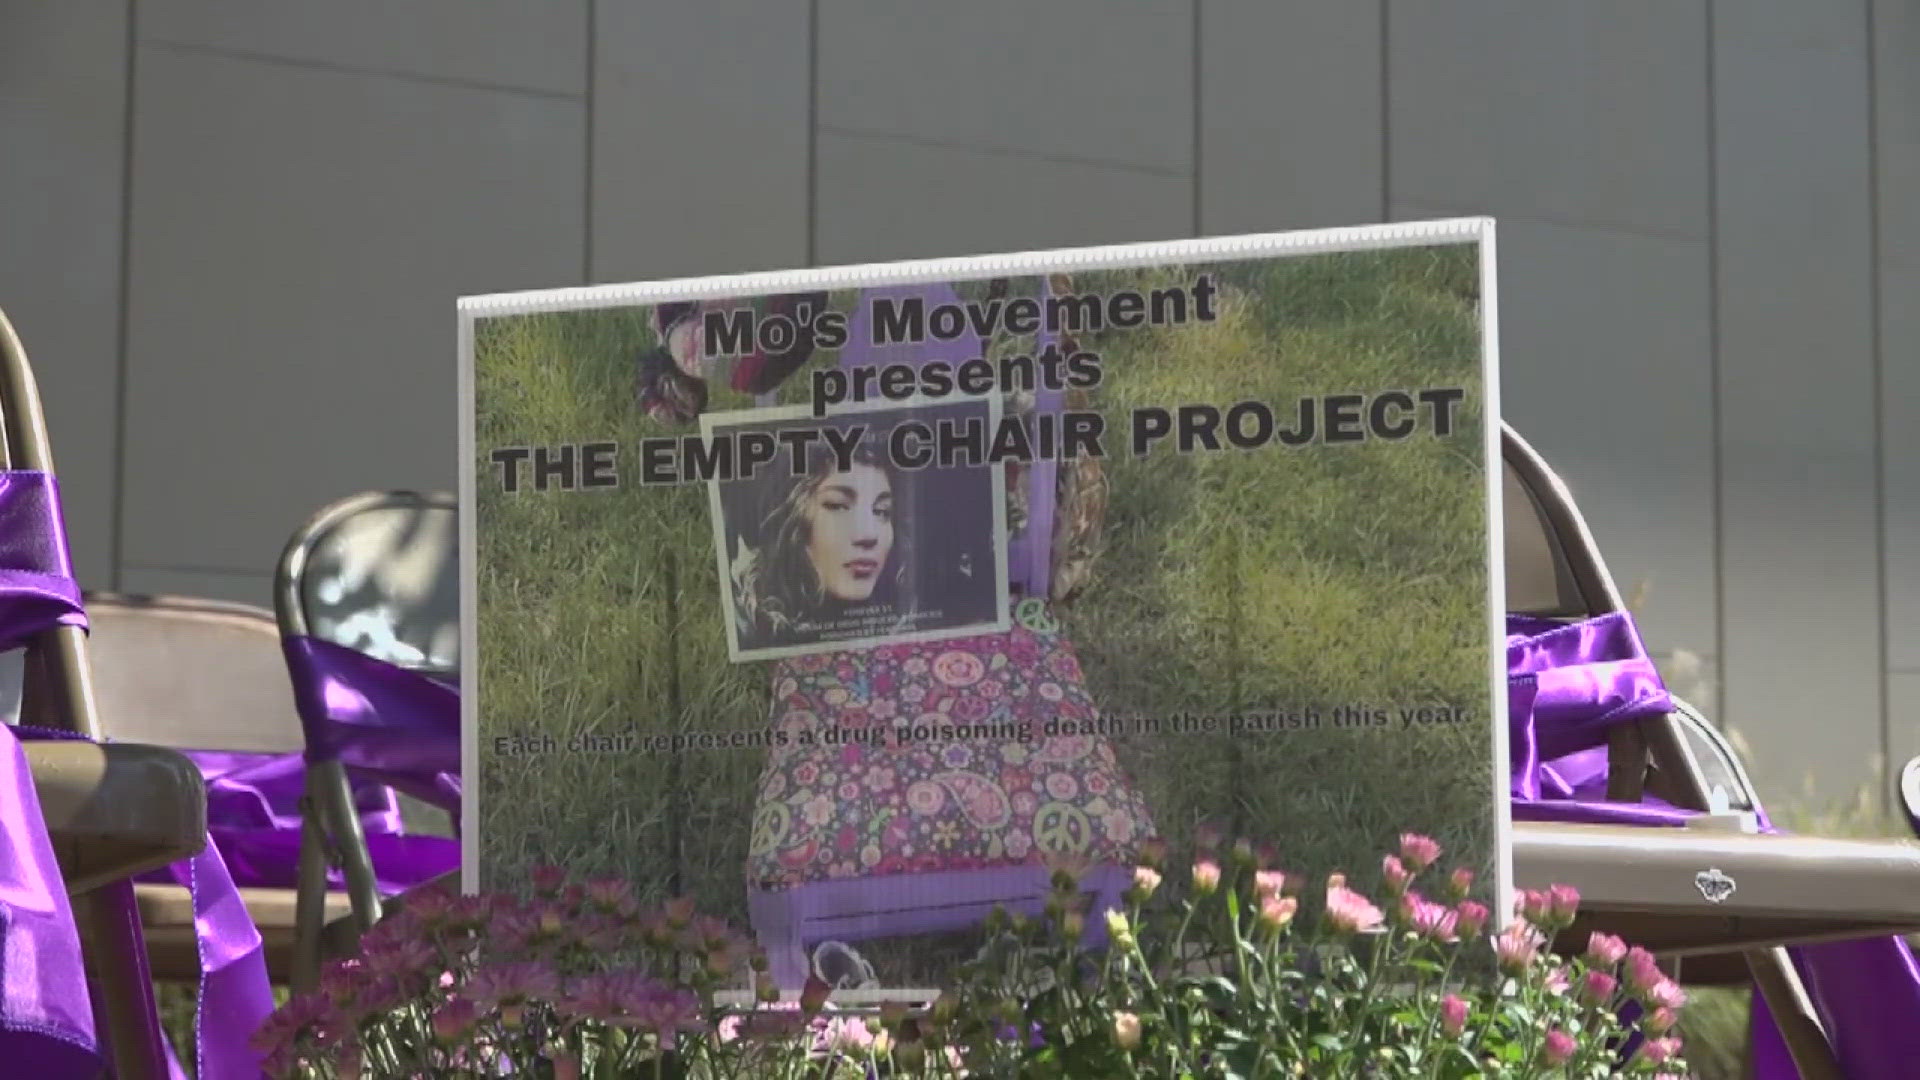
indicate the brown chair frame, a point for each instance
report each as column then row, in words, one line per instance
column 333, row 834
column 58, row 694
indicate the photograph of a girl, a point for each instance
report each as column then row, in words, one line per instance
column 843, row 552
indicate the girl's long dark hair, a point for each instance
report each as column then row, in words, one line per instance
column 779, row 592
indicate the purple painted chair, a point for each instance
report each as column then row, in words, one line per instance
column 853, row 843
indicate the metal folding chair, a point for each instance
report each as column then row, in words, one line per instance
column 377, row 573
column 1641, row 882
column 113, row 810
column 198, row 675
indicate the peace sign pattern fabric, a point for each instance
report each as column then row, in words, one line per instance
column 929, row 756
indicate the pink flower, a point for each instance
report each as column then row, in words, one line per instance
column 1598, row 987
column 1419, row 851
column 1563, row 903
column 548, row 878
column 1349, row 912
column 1268, row 883
column 679, row 911
column 1145, row 880
column 1459, row 884
column 1396, row 875
column 407, row 960
column 1453, row 1015
column 1605, row 950
column 512, row 984
column 608, row 996
column 1435, row 922
column 1206, row 876
column 1153, row 852
column 1666, row 994
column 1473, row 918
column 1660, row 1051
column 1532, row 905
column 1277, row 911
column 1660, row 1021
column 1516, row 948
column 1558, row 1048
column 1643, row 971
column 613, row 896
column 667, row 1011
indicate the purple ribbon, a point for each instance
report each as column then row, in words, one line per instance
column 46, row 1009
column 1568, row 684
column 386, row 724
column 46, row 1015
column 253, row 817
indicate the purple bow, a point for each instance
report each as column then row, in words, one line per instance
column 386, row 724
column 46, row 1026
column 1568, row 684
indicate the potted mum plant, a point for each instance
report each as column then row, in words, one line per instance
column 1224, row 972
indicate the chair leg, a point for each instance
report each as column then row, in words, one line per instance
column 334, row 793
column 310, row 898
column 123, row 983
column 1777, row 981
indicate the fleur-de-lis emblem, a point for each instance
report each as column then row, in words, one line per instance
column 1714, row 885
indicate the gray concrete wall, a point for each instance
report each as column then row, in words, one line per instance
column 232, row 232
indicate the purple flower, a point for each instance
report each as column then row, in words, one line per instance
column 667, row 1011
column 609, row 995
column 512, row 984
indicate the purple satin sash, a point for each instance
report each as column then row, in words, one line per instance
column 386, row 724
column 46, row 1014
column 1568, row 685
column 46, row 1008
column 253, row 817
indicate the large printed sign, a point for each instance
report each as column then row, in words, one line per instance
column 851, row 603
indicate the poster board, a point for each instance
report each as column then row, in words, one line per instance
column 851, row 602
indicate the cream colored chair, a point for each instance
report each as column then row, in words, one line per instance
column 201, row 675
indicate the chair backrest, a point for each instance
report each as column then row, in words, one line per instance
column 191, row 674
column 1554, row 569
column 378, row 573
column 57, row 677
column 1910, row 794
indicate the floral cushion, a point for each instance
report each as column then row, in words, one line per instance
column 912, row 757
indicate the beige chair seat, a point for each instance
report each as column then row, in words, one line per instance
column 117, row 809
column 167, row 913
column 1641, row 883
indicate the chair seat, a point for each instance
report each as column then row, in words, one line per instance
column 1708, row 895
column 115, row 810
column 166, row 911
